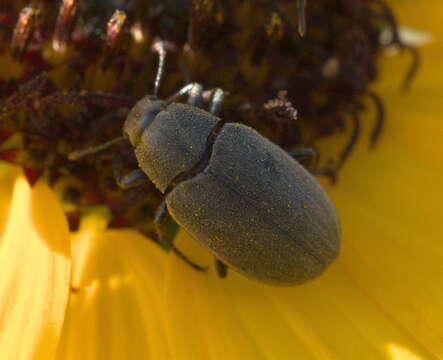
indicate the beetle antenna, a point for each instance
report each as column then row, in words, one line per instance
column 161, row 47
column 184, row 90
column 77, row 154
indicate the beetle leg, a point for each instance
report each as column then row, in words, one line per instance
column 307, row 157
column 217, row 101
column 221, row 267
column 216, row 97
column 160, row 219
column 195, row 95
column 133, row 179
column 328, row 171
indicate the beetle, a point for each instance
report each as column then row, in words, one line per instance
column 249, row 202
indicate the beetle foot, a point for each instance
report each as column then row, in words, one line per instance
column 329, row 171
column 187, row 260
column 221, row 267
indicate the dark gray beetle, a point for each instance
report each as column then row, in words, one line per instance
column 250, row 203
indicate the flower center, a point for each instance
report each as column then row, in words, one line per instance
column 74, row 73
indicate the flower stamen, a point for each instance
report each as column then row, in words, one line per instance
column 24, row 29
column 65, row 23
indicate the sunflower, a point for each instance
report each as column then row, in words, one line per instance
column 88, row 286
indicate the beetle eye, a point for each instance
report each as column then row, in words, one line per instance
column 139, row 118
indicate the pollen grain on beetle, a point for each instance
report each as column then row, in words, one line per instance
column 293, row 89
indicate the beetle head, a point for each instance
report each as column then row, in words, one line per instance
column 140, row 116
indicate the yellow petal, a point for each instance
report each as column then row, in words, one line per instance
column 235, row 318
column 391, row 201
column 8, row 175
column 35, row 267
column 114, row 310
column 380, row 300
